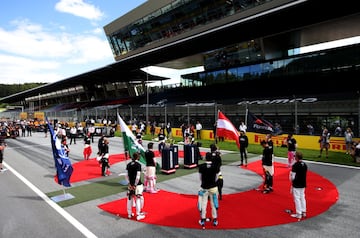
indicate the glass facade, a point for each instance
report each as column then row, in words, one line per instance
column 327, row 61
column 176, row 18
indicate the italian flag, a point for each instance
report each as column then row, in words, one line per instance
column 225, row 128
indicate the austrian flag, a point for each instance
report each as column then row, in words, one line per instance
column 225, row 128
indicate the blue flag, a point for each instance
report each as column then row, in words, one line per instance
column 63, row 165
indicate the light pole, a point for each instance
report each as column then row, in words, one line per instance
column 296, row 117
column 188, row 113
column 216, row 113
column 131, row 114
column 246, row 113
column 39, row 102
column 165, row 106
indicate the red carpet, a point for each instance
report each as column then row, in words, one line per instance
column 89, row 169
column 248, row 209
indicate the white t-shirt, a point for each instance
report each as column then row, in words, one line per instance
column 92, row 129
column 243, row 127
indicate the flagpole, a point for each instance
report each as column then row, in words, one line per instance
column 246, row 114
column 295, row 114
column 64, row 191
column 188, row 114
column 215, row 105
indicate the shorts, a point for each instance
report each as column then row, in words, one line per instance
column 270, row 169
column 150, row 171
column 139, row 189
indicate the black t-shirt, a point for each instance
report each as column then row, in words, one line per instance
column 87, row 140
column 244, row 141
column 132, row 168
column 267, row 157
column 149, row 157
column 104, row 149
column 291, row 144
column 208, row 175
column 300, row 168
column 100, row 142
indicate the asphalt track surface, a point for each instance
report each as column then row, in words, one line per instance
column 26, row 212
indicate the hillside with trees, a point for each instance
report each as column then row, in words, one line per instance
column 9, row 89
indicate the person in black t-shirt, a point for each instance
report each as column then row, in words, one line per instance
column 135, row 188
column 87, row 147
column 104, row 154
column 215, row 157
column 2, row 148
column 162, row 138
column 100, row 143
column 150, row 173
column 244, row 143
column 267, row 164
column 209, row 174
column 298, row 184
column 291, row 145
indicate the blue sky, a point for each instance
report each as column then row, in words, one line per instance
column 50, row 40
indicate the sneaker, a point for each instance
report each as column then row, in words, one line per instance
column 130, row 215
column 155, row 190
column 303, row 214
column 298, row 216
column 202, row 222
column 140, row 216
column 215, row 222
column 266, row 191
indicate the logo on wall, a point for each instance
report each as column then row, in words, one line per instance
column 278, row 101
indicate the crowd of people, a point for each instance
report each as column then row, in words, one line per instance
column 211, row 177
column 211, row 181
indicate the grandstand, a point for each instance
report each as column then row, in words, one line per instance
column 255, row 54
